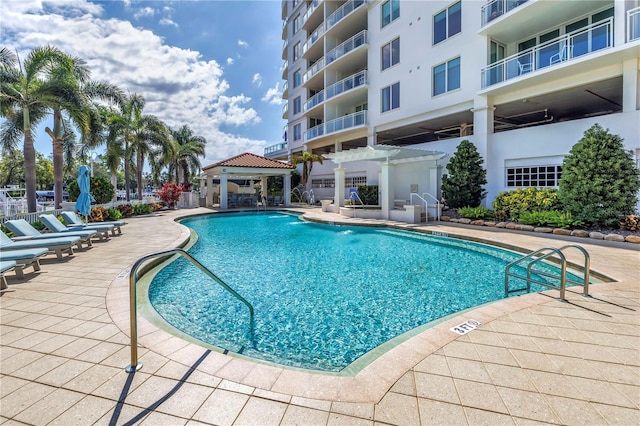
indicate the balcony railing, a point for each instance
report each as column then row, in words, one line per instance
column 633, row 24
column 311, row 8
column 315, row 35
column 554, row 52
column 315, row 68
column 335, row 89
column 346, row 47
column 343, row 11
column 496, row 8
column 271, row 149
column 285, row 108
column 342, row 123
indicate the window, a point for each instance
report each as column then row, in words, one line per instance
column 313, row 122
column 390, row 11
column 391, row 97
column 296, row 24
column 391, row 54
column 447, row 23
column 297, row 78
column 297, row 105
column 355, row 181
column 323, row 183
column 534, row 176
column 297, row 132
column 296, row 51
column 446, row 77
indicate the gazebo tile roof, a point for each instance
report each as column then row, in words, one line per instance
column 248, row 159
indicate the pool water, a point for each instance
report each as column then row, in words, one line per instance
column 323, row 295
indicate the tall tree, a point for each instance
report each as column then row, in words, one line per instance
column 306, row 159
column 150, row 137
column 27, row 94
column 464, row 186
column 600, row 181
column 189, row 147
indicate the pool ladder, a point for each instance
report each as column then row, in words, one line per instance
column 547, row 253
column 133, row 278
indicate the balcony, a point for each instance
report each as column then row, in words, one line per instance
column 496, row 8
column 275, row 150
column 633, row 24
column 315, row 36
column 552, row 53
column 285, row 110
column 350, row 121
column 315, row 69
column 285, row 69
column 285, row 90
column 343, row 11
column 346, row 47
column 311, row 8
column 335, row 89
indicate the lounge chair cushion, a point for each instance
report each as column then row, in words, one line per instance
column 74, row 220
column 23, row 228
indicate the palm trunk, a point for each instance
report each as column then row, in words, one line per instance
column 29, row 153
column 139, row 166
column 114, row 182
column 58, row 157
column 127, row 184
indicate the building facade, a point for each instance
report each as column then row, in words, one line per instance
column 521, row 79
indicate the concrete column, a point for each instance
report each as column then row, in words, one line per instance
column 263, row 187
column 338, row 198
column 287, row 189
column 483, row 116
column 630, row 86
column 209, row 201
column 387, row 191
column 337, row 146
column 620, row 20
column 223, row 191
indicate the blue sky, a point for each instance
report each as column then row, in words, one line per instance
column 211, row 64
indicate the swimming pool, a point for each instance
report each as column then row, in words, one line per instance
column 323, row 295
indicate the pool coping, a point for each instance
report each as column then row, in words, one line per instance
column 368, row 385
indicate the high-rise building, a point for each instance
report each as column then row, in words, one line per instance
column 521, row 79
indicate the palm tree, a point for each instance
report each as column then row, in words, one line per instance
column 188, row 148
column 306, row 159
column 28, row 91
column 150, row 137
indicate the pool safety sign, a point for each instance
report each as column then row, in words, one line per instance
column 466, row 327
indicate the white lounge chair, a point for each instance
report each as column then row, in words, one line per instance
column 5, row 266
column 20, row 260
column 53, row 245
column 23, row 230
column 54, row 225
column 73, row 221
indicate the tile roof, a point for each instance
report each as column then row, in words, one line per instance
column 250, row 160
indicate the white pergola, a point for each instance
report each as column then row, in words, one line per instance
column 388, row 156
column 246, row 166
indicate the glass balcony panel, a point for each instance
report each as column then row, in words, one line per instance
column 633, row 24
column 343, row 11
column 347, row 46
column 496, row 8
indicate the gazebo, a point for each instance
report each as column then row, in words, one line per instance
column 246, row 166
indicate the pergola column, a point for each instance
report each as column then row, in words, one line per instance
column 209, row 201
column 263, row 187
column 287, row 189
column 338, row 199
column 387, row 193
column 223, row 191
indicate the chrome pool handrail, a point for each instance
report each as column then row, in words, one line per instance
column 133, row 278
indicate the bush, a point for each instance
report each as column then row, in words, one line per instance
column 600, row 181
column 142, row 208
column 509, row 205
column 126, row 210
column 170, row 193
column 100, row 187
column 368, row 194
column 113, row 214
column 554, row 218
column 631, row 223
column 475, row 212
column 38, row 225
column 464, row 184
column 97, row 214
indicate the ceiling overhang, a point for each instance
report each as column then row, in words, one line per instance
column 385, row 153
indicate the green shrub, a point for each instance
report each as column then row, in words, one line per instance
column 38, row 225
column 141, row 208
column 554, row 218
column 126, row 210
column 113, row 214
column 509, row 205
column 463, row 186
column 476, row 213
column 600, row 181
column 368, row 194
column 100, row 188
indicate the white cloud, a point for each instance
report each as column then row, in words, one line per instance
column 168, row 22
column 144, row 11
column 230, row 61
column 178, row 85
column 257, row 79
column 273, row 95
column 243, row 43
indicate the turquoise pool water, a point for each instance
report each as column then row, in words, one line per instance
column 323, row 295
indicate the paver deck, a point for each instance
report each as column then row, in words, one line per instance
column 64, row 343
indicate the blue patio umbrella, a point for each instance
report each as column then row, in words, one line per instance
column 84, row 199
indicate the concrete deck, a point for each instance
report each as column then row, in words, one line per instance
column 64, row 343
